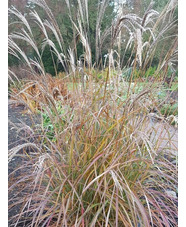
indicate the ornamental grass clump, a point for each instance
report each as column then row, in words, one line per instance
column 101, row 168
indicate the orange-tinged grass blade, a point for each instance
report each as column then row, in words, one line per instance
column 95, row 179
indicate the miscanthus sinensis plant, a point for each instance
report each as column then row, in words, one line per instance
column 97, row 164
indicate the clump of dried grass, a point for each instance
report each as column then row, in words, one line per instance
column 102, row 168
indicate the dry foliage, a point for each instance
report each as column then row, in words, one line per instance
column 31, row 93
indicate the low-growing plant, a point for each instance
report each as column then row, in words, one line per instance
column 168, row 109
column 51, row 127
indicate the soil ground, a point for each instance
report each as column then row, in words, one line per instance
column 16, row 121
